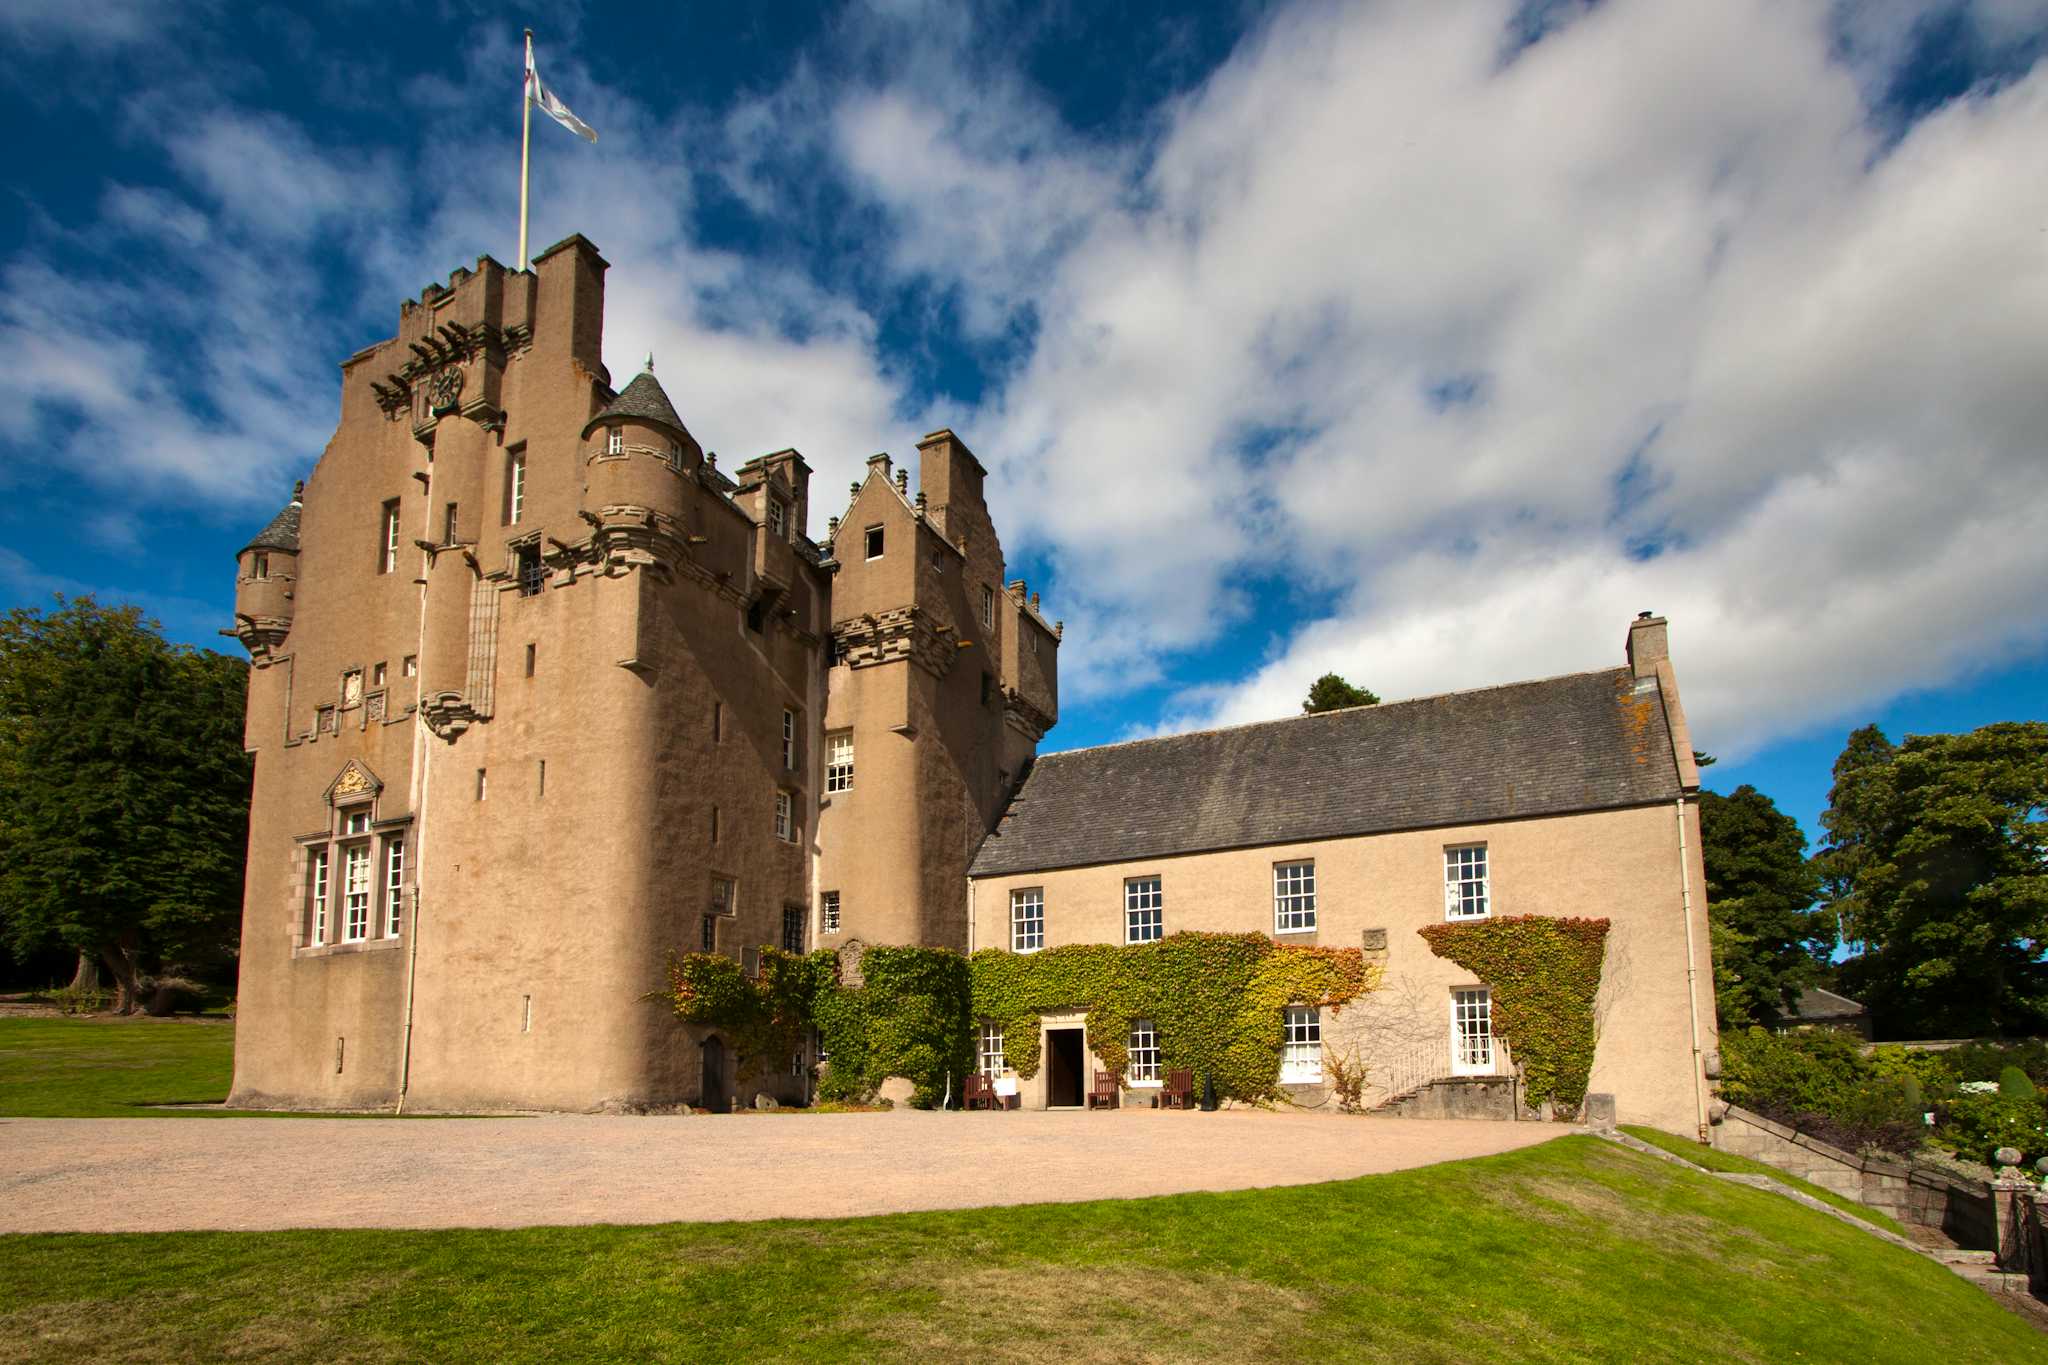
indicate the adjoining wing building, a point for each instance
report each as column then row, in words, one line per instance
column 541, row 695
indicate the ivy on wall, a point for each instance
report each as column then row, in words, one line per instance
column 763, row 1018
column 1543, row 974
column 909, row 1018
column 1216, row 1000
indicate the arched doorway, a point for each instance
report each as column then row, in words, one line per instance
column 717, row 1098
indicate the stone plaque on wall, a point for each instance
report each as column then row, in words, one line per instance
column 1375, row 940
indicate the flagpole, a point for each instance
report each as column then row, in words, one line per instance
column 525, row 140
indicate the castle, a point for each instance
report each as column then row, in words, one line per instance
column 540, row 695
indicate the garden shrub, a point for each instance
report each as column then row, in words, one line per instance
column 2013, row 1081
column 1977, row 1125
column 1820, row 1083
column 1543, row 974
column 1985, row 1059
column 764, row 1017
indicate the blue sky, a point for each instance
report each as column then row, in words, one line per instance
column 1426, row 343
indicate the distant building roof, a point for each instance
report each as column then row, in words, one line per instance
column 1586, row 741
column 1814, row 1003
column 283, row 531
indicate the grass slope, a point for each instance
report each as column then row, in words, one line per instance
column 112, row 1067
column 1574, row 1250
column 1728, row 1161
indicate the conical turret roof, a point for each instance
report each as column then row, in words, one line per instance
column 643, row 400
column 283, row 531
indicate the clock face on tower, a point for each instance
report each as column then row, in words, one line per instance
column 444, row 388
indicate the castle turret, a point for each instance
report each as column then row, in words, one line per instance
column 265, row 584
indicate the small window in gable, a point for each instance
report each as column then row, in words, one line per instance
column 874, row 542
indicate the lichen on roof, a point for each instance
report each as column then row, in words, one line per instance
column 643, row 400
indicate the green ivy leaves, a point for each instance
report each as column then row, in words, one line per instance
column 1543, row 974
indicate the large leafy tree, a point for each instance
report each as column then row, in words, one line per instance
column 124, row 790
column 1937, row 864
column 1331, row 693
column 1768, row 943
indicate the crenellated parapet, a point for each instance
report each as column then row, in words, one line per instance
column 904, row 634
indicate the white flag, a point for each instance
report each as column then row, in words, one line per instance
column 552, row 106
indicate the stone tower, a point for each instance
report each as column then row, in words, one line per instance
column 944, row 678
column 536, row 703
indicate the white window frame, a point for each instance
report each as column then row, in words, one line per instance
column 1301, row 1045
column 785, row 818
column 394, row 885
column 356, row 883
column 1294, row 897
column 390, row 561
column 777, row 519
column 788, row 739
column 1144, row 909
column 988, row 607
column 838, row 763
column 516, row 498
column 988, row 1051
column 828, row 912
column 614, row 441
column 318, row 878
column 1144, row 1072
column 1027, row 919
column 1472, row 1053
column 1468, row 882
column 725, row 896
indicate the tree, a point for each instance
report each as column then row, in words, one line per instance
column 1331, row 693
column 1768, row 944
column 124, row 790
column 1937, row 863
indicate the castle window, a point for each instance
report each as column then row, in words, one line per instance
column 410, row 667
column 988, row 607
column 839, row 763
column 614, row 441
column 1027, row 920
column 675, row 456
column 722, row 896
column 1144, row 1053
column 1301, row 1052
column 318, row 878
column 394, row 886
column 988, row 687
column 259, row 565
column 481, row 784
column 1465, row 883
column 792, row 929
column 709, row 942
column 828, row 911
column 989, row 1051
column 530, row 649
column 717, row 721
column 449, row 524
column 785, row 818
column 777, row 523
column 355, row 893
column 788, row 738
column 387, row 554
column 874, row 542
column 1294, row 898
column 515, row 485
column 377, row 676
column 527, row 569
column 714, row 824
column 1144, row 910
column 358, row 822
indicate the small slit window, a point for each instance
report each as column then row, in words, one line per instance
column 873, row 542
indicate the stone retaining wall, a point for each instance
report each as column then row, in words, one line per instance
column 1963, row 1209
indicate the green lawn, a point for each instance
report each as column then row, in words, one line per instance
column 1574, row 1250
column 1727, row 1161
column 110, row 1067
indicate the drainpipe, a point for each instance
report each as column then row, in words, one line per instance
column 970, row 916
column 422, row 781
column 1692, row 973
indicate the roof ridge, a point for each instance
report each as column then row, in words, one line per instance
column 1380, row 707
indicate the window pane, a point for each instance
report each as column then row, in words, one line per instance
column 1144, row 910
column 1465, row 882
column 1027, row 920
column 1294, row 897
column 1144, row 1050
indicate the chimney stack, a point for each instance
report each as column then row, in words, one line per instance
column 1648, row 645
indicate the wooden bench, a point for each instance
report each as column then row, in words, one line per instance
column 1107, row 1094
column 1179, row 1090
column 980, row 1092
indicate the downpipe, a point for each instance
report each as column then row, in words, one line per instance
column 1692, row 976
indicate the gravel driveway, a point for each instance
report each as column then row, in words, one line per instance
column 136, row 1175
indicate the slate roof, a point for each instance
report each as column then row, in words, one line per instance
column 1586, row 741
column 643, row 400
column 282, row 533
column 1816, row 1002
